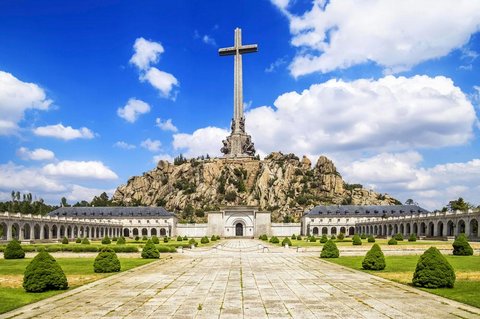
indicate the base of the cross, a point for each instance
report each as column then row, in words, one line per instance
column 238, row 145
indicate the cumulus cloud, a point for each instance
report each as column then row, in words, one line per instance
column 78, row 193
column 124, row 145
column 80, row 169
column 16, row 97
column 394, row 34
column 401, row 174
column 391, row 113
column 151, row 145
column 133, row 109
column 162, row 157
column 145, row 54
column 38, row 154
column 203, row 141
column 165, row 125
column 209, row 40
column 64, row 132
column 27, row 179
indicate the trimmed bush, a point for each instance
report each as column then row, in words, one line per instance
column 341, row 237
column 149, row 251
column 179, row 238
column 392, row 241
column 106, row 261
column 14, row 250
column 78, row 240
column 106, row 241
column 333, row 237
column 114, row 239
column 413, row 237
column 43, row 274
column 165, row 239
column 461, row 247
column 312, row 239
column 299, row 237
column 294, row 237
column 204, row 240
column 274, row 240
column 137, row 238
column 286, row 241
column 65, row 241
column 85, row 241
column 214, row 238
column 329, row 250
column 185, row 237
column 121, row 241
column 218, row 237
column 433, row 270
column 192, row 241
column 398, row 237
column 363, row 236
column 374, row 259
column 323, row 239
column 356, row 241
column 166, row 249
column 155, row 240
column 144, row 238
column 371, row 239
column 263, row 237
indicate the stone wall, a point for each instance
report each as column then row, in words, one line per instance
column 191, row 230
column 285, row 229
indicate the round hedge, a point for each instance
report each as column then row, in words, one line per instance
column 371, row 239
column 374, row 259
column 433, row 270
column 155, row 240
column 192, row 241
column 341, row 236
column 78, row 240
column 204, row 240
column 121, row 240
column 65, row 241
column 287, row 241
column 333, row 237
column 363, row 236
column 461, row 247
column 312, row 239
column 392, row 241
column 106, row 261
column 165, row 239
column 85, row 241
column 398, row 237
column 185, row 237
column 213, row 238
column 329, row 250
column 106, row 240
column 294, row 237
column 323, row 239
column 179, row 238
column 299, row 237
column 14, row 250
column 412, row 237
column 150, row 251
column 43, row 274
column 274, row 240
column 356, row 241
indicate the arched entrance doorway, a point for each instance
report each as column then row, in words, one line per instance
column 239, row 229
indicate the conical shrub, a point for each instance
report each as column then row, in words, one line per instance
column 155, row 240
column 286, row 241
column 150, row 251
column 44, row 273
column 65, row 241
column 121, row 240
column 461, row 247
column 433, row 270
column 323, row 239
column 106, row 240
column 85, row 241
column 14, row 250
column 329, row 250
column 412, row 237
column 374, row 259
column 106, row 261
column 371, row 239
column 392, row 241
column 356, row 241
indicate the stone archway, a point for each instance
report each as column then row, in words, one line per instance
column 473, row 228
column 351, row 231
column 126, row 232
column 163, row 232
column 324, row 230
column 239, row 229
column 3, row 231
column 315, row 231
column 461, row 226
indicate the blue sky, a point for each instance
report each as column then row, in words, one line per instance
column 91, row 94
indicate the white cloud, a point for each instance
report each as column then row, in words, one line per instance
column 391, row 113
column 146, row 53
column 16, row 97
column 394, row 34
column 80, row 169
column 203, row 141
column 162, row 81
column 165, row 125
column 162, row 157
column 38, row 154
column 209, row 40
column 133, row 109
column 151, row 145
column 63, row 132
column 276, row 64
column 124, row 145
column 24, row 179
column 401, row 174
column 78, row 193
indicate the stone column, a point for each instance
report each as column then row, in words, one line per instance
column 32, row 232
column 467, row 228
column 9, row 231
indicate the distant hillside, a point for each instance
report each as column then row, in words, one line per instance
column 282, row 184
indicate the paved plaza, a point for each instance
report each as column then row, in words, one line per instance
column 239, row 279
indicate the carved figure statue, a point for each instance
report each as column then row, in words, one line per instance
column 242, row 124
column 225, row 149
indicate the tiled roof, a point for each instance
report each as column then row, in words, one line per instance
column 111, row 212
column 366, row 210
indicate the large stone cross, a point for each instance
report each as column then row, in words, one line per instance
column 238, row 50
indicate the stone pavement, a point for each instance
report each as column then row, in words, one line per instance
column 239, row 280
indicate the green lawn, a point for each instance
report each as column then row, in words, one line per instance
column 79, row 271
column 401, row 268
column 365, row 243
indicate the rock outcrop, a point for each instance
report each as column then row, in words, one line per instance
column 282, row 184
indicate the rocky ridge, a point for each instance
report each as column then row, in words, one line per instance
column 283, row 184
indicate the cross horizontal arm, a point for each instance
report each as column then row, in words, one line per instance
column 227, row 51
column 249, row 48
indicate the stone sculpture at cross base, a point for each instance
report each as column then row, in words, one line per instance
column 238, row 144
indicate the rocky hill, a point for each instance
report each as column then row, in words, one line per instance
column 282, row 184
